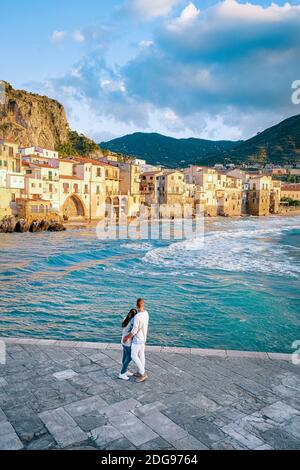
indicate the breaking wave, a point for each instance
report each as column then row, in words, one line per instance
column 242, row 245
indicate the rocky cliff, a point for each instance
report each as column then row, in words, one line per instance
column 30, row 119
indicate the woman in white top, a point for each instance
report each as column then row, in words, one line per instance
column 127, row 327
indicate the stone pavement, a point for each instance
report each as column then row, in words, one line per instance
column 57, row 395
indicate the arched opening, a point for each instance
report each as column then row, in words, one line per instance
column 73, row 208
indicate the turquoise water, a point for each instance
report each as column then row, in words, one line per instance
column 241, row 291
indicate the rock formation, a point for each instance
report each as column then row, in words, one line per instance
column 11, row 224
column 30, row 120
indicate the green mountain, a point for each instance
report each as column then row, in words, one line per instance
column 279, row 144
column 168, row 151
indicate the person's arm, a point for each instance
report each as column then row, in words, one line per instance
column 135, row 329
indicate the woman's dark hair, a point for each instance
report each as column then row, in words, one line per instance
column 133, row 312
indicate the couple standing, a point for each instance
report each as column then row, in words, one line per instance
column 134, row 337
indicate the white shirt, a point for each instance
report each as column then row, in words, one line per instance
column 140, row 328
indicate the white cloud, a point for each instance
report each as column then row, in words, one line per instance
column 224, row 72
column 78, row 36
column 189, row 14
column 146, row 43
column 233, row 10
column 58, row 36
column 152, row 8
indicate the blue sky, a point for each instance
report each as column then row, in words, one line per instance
column 183, row 68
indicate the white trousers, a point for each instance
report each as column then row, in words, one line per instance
column 138, row 356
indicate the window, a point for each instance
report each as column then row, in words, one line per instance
column 50, row 175
column 98, row 190
column 76, row 189
column 86, row 189
column 10, row 151
column 66, row 187
column 5, row 163
column 99, row 172
column 50, row 188
column 13, row 198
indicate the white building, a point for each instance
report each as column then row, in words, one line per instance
column 39, row 151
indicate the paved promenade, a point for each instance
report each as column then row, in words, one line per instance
column 57, row 395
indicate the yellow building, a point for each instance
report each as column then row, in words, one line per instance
column 82, row 188
column 11, row 178
column 291, row 191
column 229, row 196
column 130, row 178
column 171, row 187
column 259, row 195
column 208, row 181
column 275, row 197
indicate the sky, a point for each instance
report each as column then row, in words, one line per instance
column 202, row 68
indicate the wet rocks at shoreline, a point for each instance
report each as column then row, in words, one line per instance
column 11, row 224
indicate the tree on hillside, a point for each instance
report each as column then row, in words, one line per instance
column 4, row 128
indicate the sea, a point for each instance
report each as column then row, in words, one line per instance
column 236, row 288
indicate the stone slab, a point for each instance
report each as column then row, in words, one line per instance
column 62, row 427
column 133, row 428
column 65, row 374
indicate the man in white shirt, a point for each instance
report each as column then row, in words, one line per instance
column 139, row 337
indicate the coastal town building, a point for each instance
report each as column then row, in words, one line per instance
column 259, row 195
column 229, row 196
column 130, row 178
column 149, row 187
column 290, row 191
column 36, row 181
column 171, row 187
column 11, row 178
column 207, row 181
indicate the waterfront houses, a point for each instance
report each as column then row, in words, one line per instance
column 11, row 178
column 291, row 191
column 38, row 183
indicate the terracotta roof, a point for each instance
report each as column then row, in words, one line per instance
column 291, row 187
column 38, row 165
